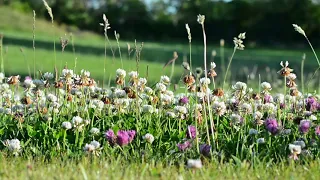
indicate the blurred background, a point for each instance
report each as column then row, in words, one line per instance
column 160, row 24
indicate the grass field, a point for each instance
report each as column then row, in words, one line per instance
column 89, row 51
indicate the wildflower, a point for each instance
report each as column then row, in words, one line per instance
column 200, row 19
column 285, row 71
column 28, row 83
column 311, row 103
column 184, row 100
column 110, row 136
column 171, row 114
column 272, row 125
column 67, row 73
column 66, row 125
column 257, row 115
column 92, row 148
column 189, row 80
column 94, row 131
column 13, row 146
column 279, row 98
column 266, row 87
column 260, row 141
column 246, row 108
column 236, row 119
column 267, row 98
column 317, row 131
column 240, row 87
column 304, row 126
column 191, row 132
column 295, row 151
column 194, row 163
column 149, row 138
column 238, row 42
column 147, row 109
column 180, row 109
column 122, row 138
column 205, row 149
column 121, row 73
column 165, row 80
column 204, row 81
column 290, row 83
column 48, row 75
column 219, row 108
column 77, row 121
column 299, row 29
column 184, row 146
column 161, row 87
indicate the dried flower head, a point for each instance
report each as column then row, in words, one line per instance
column 299, row 29
column 200, row 19
column 189, row 32
column 238, row 41
column 285, row 71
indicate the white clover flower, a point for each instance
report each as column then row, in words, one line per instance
column 165, row 80
column 205, row 81
column 133, row 74
column 67, row 72
column 213, row 65
column 28, row 83
column 165, row 99
column 292, row 76
column 240, row 86
column 180, row 109
column 279, row 98
column 119, row 93
column 246, row 108
column 149, row 138
column 148, row 90
column 38, row 83
column 194, row 163
column 76, row 121
column 142, row 81
column 13, row 146
column 85, row 73
column 197, row 107
column 269, row 107
column 313, row 117
column 66, row 125
column 295, row 148
column 48, row 75
column 98, row 104
column 94, row 131
column 236, row 118
column 253, row 132
column 257, row 115
column 261, row 141
column 52, row 98
column 161, row 87
column 121, row 73
column 266, row 86
column 92, row 148
column 219, row 108
column 147, row 109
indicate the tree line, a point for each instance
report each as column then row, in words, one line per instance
column 265, row 21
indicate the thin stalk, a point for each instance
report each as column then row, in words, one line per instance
column 228, row 67
column 33, row 43
column 117, row 38
column 302, row 74
column 222, row 57
column 74, row 53
column 313, row 50
column 1, row 53
column 190, row 50
column 205, row 69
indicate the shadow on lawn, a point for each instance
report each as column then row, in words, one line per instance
column 242, row 60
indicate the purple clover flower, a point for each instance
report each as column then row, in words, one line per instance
column 267, row 98
column 205, row 149
column 184, row 100
column 110, row 136
column 317, row 130
column 304, row 126
column 272, row 126
column 311, row 104
column 191, row 132
column 184, row 146
column 123, row 137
